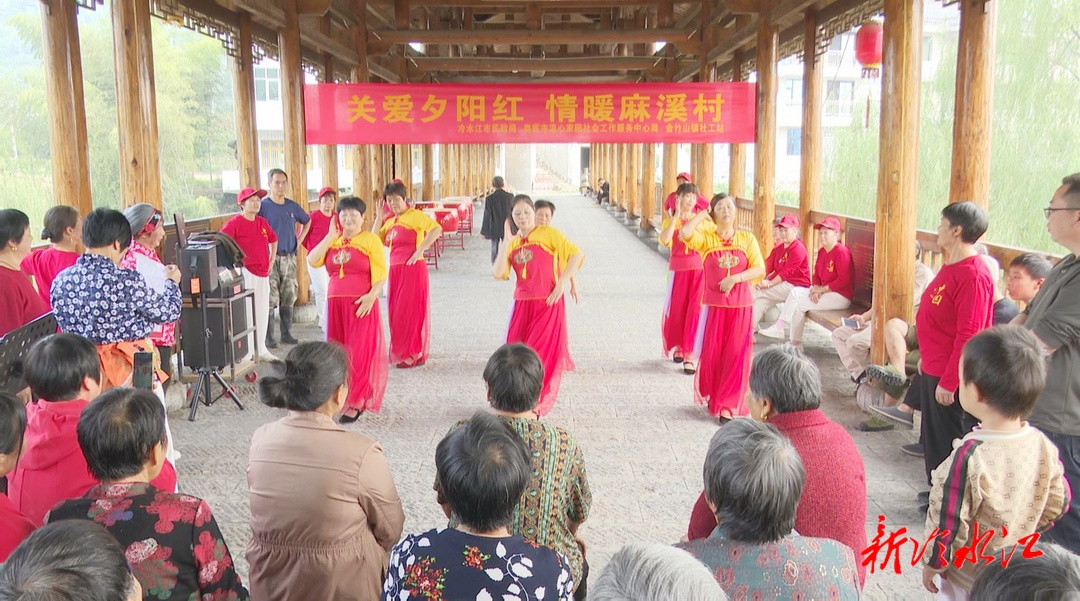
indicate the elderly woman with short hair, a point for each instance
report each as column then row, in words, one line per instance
column 655, row 572
column 483, row 468
column 785, row 390
column 557, row 498
column 753, row 481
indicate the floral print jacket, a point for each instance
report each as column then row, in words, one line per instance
column 172, row 542
column 447, row 564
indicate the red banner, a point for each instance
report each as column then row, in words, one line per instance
column 523, row 113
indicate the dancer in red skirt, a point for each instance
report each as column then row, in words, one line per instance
column 685, row 284
column 544, row 261
column 725, row 341
column 408, row 233
column 356, row 269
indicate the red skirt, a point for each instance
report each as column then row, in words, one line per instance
column 543, row 328
column 408, row 303
column 363, row 340
column 682, row 311
column 725, row 346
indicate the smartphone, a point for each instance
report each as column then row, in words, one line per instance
column 851, row 323
column 143, row 375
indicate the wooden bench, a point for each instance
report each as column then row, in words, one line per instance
column 830, row 320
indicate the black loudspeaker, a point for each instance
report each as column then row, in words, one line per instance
column 198, row 260
column 192, row 332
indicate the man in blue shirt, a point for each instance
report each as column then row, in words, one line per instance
column 284, row 215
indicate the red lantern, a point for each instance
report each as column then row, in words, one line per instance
column 868, row 43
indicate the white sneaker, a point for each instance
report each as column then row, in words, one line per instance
column 774, row 331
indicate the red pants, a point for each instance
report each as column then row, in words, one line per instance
column 725, row 347
column 408, row 304
column 543, row 329
column 682, row 311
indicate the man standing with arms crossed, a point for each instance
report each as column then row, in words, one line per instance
column 284, row 215
column 496, row 211
column 1054, row 316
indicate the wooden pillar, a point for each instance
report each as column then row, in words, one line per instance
column 898, row 175
column 810, row 152
column 765, row 147
column 247, row 133
column 292, row 96
column 624, row 177
column 428, row 187
column 737, row 152
column 703, row 169
column 670, row 168
column 974, row 101
column 329, row 151
column 633, row 182
column 81, row 143
column 66, row 179
column 363, row 160
column 648, row 185
column 444, row 171
column 135, row 107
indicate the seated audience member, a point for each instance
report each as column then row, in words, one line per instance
column 751, row 550
column 20, row 301
column 1005, row 310
column 785, row 390
column 833, row 284
column 787, row 268
column 63, row 228
column 70, row 561
column 1004, row 476
column 483, row 468
column 1053, row 575
column 14, row 526
column 63, row 373
column 655, row 572
column 111, row 307
column 324, row 509
column 1027, row 272
column 172, row 540
column 557, row 498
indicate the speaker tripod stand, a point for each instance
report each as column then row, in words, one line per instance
column 201, row 392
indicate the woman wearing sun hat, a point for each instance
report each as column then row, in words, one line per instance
column 257, row 239
column 786, row 268
column 833, row 285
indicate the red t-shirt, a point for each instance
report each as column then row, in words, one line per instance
column 957, row 304
column 43, row 264
column 790, row 262
column 836, row 269
column 14, row 527
column 320, row 226
column 20, row 303
column 254, row 237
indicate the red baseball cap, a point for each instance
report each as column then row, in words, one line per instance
column 247, row 193
column 686, row 176
column 829, row 222
column 327, row 190
column 788, row 220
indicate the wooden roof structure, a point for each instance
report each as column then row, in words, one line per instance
column 521, row 41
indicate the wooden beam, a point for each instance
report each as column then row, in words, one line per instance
column 528, row 37
column 526, row 78
column 292, row 95
column 813, row 105
column 765, row 141
column 329, row 151
column 787, row 8
column 401, row 14
column 61, row 104
column 533, row 64
column 648, row 186
column 134, row 114
column 898, row 169
column 970, row 179
column 247, row 133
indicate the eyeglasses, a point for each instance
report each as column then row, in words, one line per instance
column 1048, row 210
column 152, row 224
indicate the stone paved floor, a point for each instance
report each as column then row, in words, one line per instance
column 632, row 411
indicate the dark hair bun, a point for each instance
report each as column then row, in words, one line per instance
column 291, row 388
column 45, row 235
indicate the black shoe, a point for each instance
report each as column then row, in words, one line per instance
column 350, row 416
column 924, row 496
column 271, row 340
column 286, row 314
column 915, row 450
